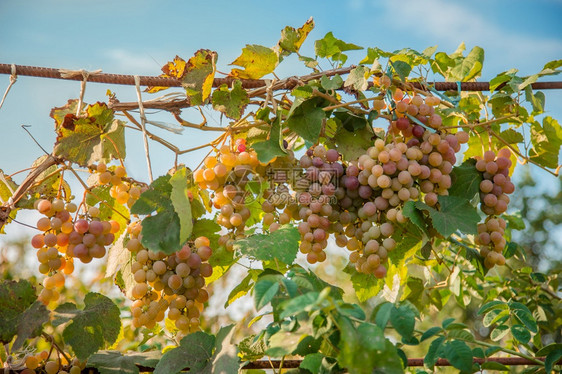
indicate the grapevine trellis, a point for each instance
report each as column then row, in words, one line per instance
column 397, row 196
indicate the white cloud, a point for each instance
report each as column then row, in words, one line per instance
column 452, row 23
column 130, row 62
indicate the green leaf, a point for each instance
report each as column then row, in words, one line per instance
column 492, row 365
column 292, row 39
column 526, row 319
column 431, row 332
column 401, row 68
column 383, row 314
column 459, row 334
column 284, row 343
column 162, row 232
column 15, row 298
column 403, row 320
column 230, row 102
column 306, row 119
column 157, row 195
column 312, row 362
column 365, row 285
column 256, row 60
column 91, row 138
column 455, row 213
column 499, row 332
column 240, row 290
column 331, row 47
column 280, row 245
column 433, row 352
column 358, row 78
column 299, row 304
column 195, row 351
column 351, row 122
column 252, row 348
column 459, row 355
column 352, row 144
column 225, row 359
column 180, row 201
column 549, row 348
column 114, row 362
column 331, row 84
column 416, row 217
column 521, row 333
column 493, row 316
column 30, row 323
column 264, row 291
column 551, row 360
column 494, row 304
column 447, row 321
column 199, row 75
column 546, row 140
column 273, row 147
column 465, row 180
column 92, row 328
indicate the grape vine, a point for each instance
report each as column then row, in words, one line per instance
column 366, row 169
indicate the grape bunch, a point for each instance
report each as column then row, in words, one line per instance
column 316, row 198
column 496, row 184
column 371, row 253
column 173, row 283
column 63, row 239
column 122, row 190
column 491, row 240
column 494, row 188
column 227, row 174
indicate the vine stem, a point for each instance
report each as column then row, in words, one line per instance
column 50, row 339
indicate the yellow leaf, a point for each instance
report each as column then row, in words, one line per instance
column 199, row 76
column 256, row 60
column 172, row 69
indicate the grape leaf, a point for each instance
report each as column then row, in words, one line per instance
column 256, row 60
column 282, row 245
column 7, row 188
column 92, row 328
column 199, row 75
column 120, row 258
column 95, row 137
column 225, row 359
column 114, row 362
column 352, row 144
column 30, row 323
column 358, row 78
column 465, row 180
column 195, row 352
column 273, row 147
column 230, row 102
column 365, row 285
column 331, row 84
column 546, row 140
column 292, row 39
column 331, row 47
column 15, row 298
column 456, row 68
column 172, row 69
column 454, row 214
column 312, row 362
column 160, row 232
column 306, row 119
column 180, row 201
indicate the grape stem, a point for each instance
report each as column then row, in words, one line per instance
column 51, row 340
column 525, row 158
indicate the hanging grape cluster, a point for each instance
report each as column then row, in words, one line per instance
column 173, row 283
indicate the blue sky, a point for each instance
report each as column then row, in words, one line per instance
column 137, row 37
